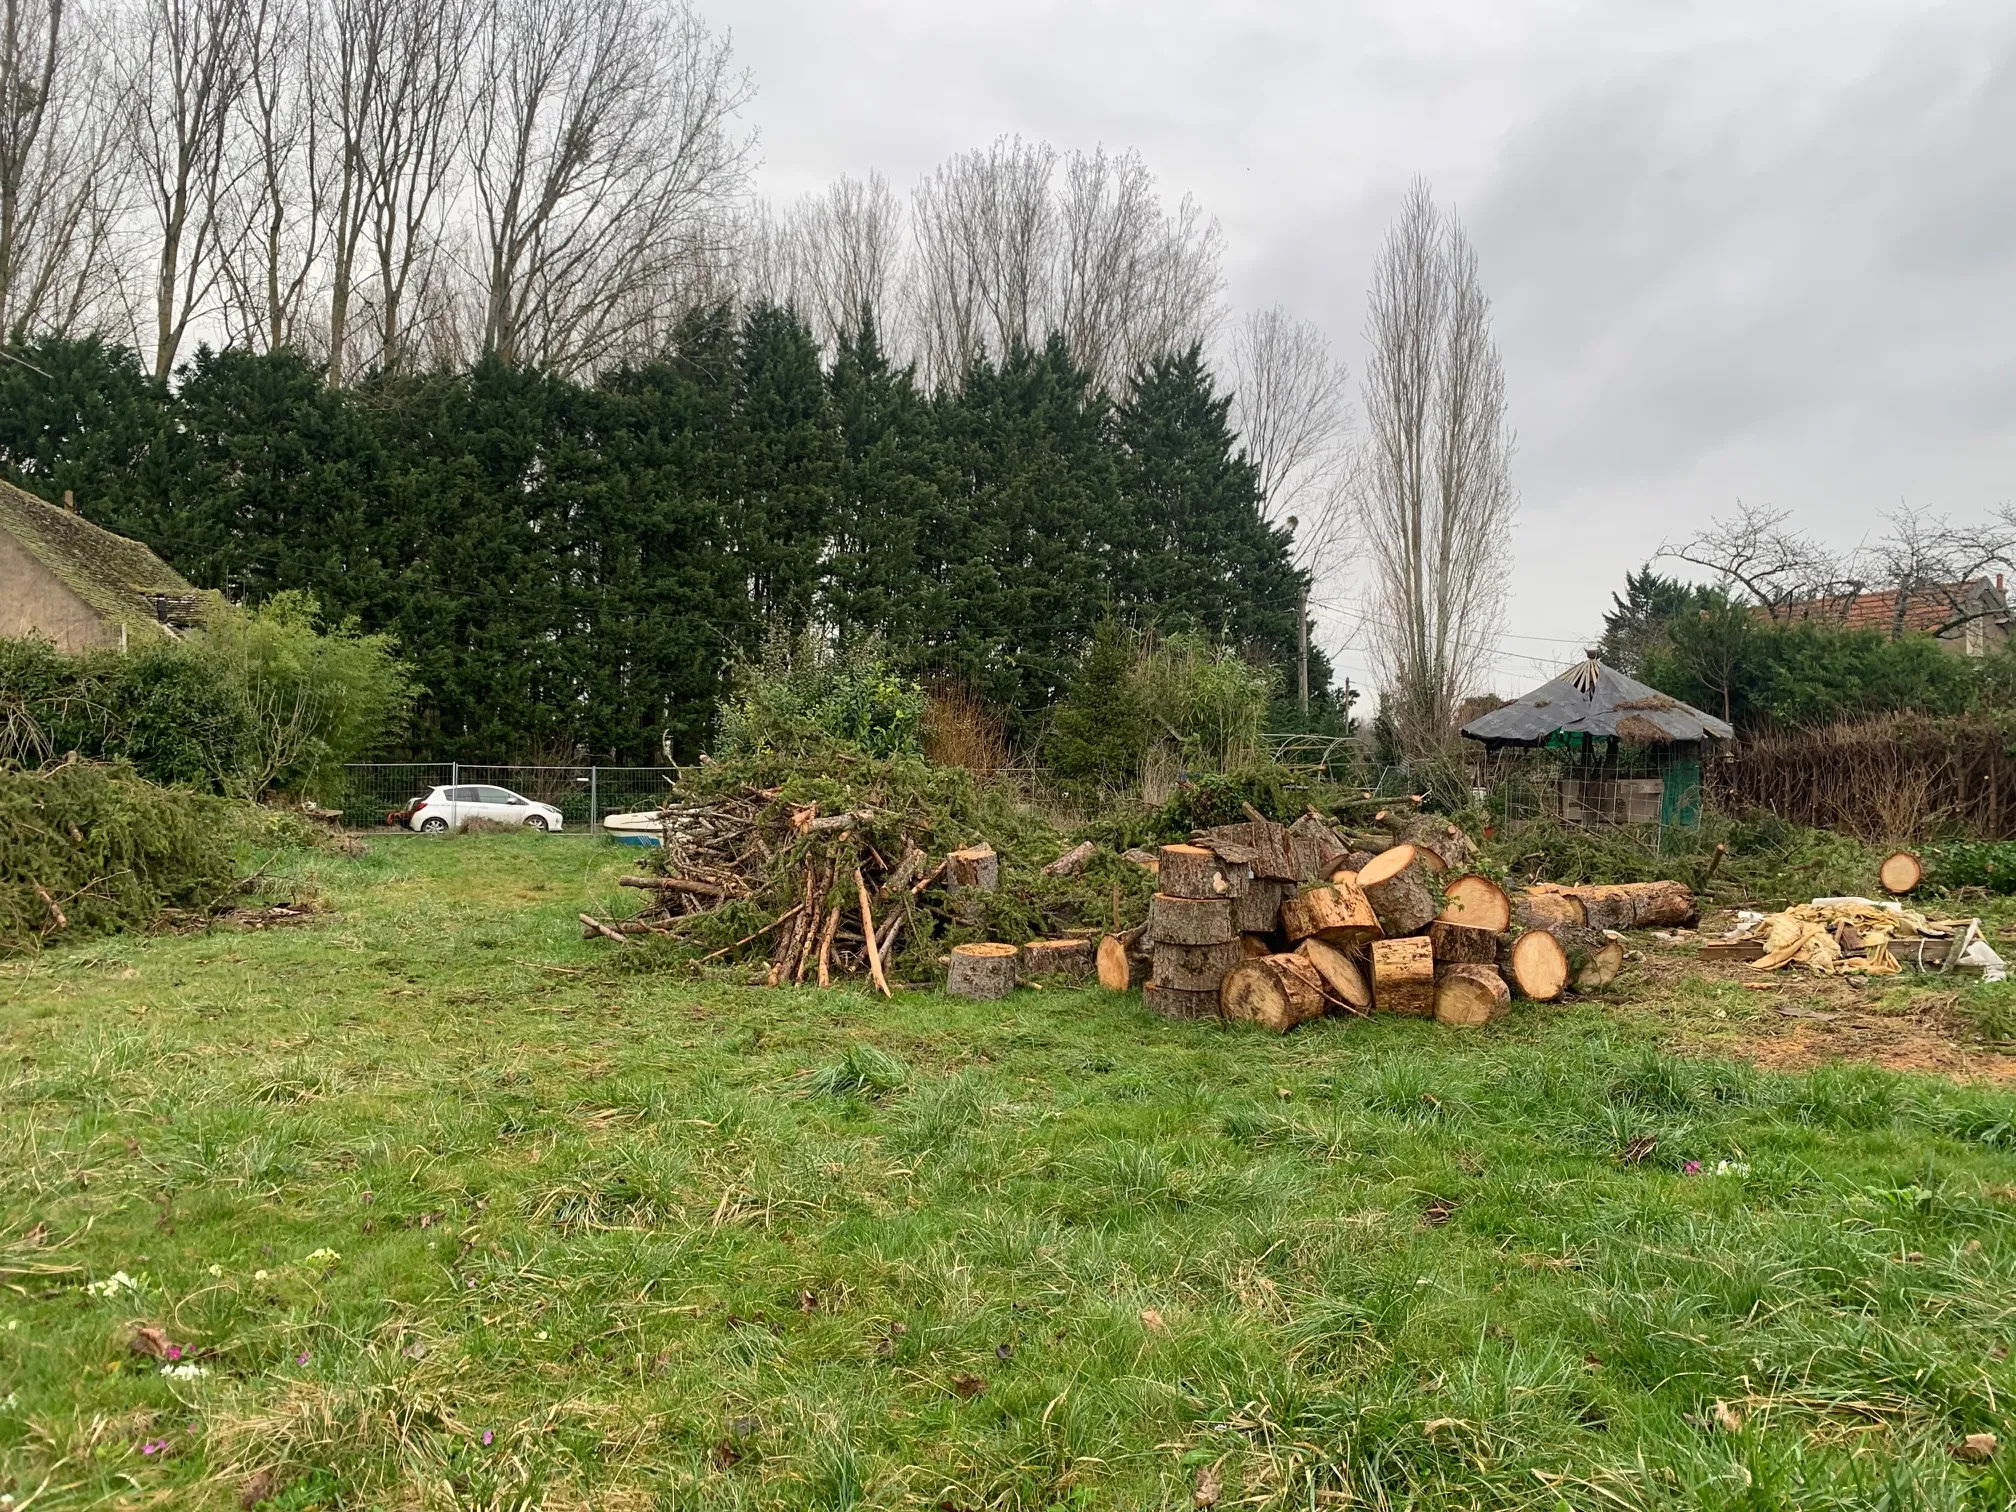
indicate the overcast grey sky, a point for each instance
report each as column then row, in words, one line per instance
column 1763, row 250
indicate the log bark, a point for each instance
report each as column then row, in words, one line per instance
column 1190, row 871
column 1261, row 843
column 1900, row 873
column 1541, row 908
column 1120, row 968
column 1468, row 994
column 1337, row 911
column 1634, row 905
column 1314, row 848
column 1399, row 883
column 1536, row 964
column 1607, row 907
column 1403, row 977
column 1256, row 908
column 1253, row 946
column 975, row 869
column 985, row 971
column 1072, row 861
column 1341, row 975
column 1430, row 832
column 1477, row 902
column 1194, row 968
column 675, row 885
column 1459, row 944
column 1276, row 992
column 1190, row 921
column 1174, row 1003
column 1069, row 959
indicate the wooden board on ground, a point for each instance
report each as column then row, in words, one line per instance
column 1468, row 994
column 1399, row 885
column 1457, row 944
column 1190, row 921
column 1276, row 992
column 1733, row 950
column 1337, row 911
column 1476, row 902
column 1403, row 977
column 1341, row 975
column 1900, row 873
column 984, row 971
column 1174, row 1003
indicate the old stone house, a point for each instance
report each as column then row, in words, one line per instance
column 81, row 587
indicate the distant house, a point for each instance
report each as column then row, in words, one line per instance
column 1968, row 619
column 83, row 588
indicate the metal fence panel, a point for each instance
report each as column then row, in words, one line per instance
column 583, row 794
column 371, row 792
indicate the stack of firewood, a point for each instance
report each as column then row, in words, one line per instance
column 1280, row 924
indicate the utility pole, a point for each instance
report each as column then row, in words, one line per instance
column 1302, row 646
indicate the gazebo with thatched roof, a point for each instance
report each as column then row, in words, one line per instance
column 1631, row 754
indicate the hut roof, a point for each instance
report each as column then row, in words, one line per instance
column 119, row 578
column 1592, row 699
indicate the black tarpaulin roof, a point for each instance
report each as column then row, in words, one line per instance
column 1592, row 699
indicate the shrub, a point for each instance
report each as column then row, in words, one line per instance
column 803, row 693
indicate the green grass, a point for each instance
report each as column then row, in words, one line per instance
column 614, row 1239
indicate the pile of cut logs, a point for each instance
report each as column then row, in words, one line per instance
column 1277, row 925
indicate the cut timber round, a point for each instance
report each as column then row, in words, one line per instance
column 1607, row 907
column 1071, row 959
column 984, row 971
column 1338, row 912
column 1120, row 969
column 1403, row 977
column 1340, row 974
column 1256, row 909
column 1195, row 968
column 1253, row 946
column 1476, row 902
column 1459, row 944
column 1540, row 908
column 1190, row 871
column 1537, row 965
column 974, row 869
column 1314, row 847
column 1468, row 994
column 1174, row 1003
column 1398, row 884
column 1190, row 921
column 1900, row 873
column 1357, row 860
column 1433, row 833
column 1602, row 966
column 1276, row 992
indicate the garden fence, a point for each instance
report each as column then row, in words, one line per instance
column 583, row 794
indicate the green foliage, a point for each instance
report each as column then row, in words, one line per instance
column 1214, row 798
column 1986, row 864
column 1101, row 730
column 1765, row 859
column 1205, row 700
column 802, row 694
column 1637, row 624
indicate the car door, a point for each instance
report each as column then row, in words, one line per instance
column 463, row 806
column 502, row 805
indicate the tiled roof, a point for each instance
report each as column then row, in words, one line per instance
column 1925, row 613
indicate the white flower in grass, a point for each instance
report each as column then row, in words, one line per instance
column 187, row 1370
column 1731, row 1168
column 321, row 1257
column 118, row 1284
column 217, row 1272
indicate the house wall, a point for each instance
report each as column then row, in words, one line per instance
column 35, row 602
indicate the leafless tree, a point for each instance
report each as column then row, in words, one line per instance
column 1928, row 564
column 57, row 205
column 277, row 236
column 603, row 150
column 986, row 235
column 1435, row 494
column 835, row 253
column 1787, row 574
column 1292, row 404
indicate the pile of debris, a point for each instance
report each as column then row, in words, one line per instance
column 1856, row 937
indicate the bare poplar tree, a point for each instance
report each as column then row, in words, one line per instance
column 985, row 225
column 57, row 205
column 604, row 160
column 844, row 251
column 273, row 256
column 1292, row 404
column 1435, row 494
column 183, row 75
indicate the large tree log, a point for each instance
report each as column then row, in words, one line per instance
column 1314, row 848
column 1256, row 907
column 1399, row 883
column 1629, row 905
column 1338, row 912
column 1072, row 861
column 1069, row 959
column 1541, row 908
column 1190, row 921
column 975, row 869
column 1175, row 1003
column 1468, row 994
column 1536, row 965
column 1403, row 977
column 1277, row 992
column 985, row 971
column 1900, row 873
column 1476, row 902
column 1459, row 944
column 1593, row 957
column 1121, row 966
column 1191, row 871
column 1444, row 839
column 1341, row 975
column 1194, row 968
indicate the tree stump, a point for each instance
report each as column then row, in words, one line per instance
column 1190, row 921
column 1190, row 871
column 1195, row 968
column 1341, row 975
column 1459, row 944
column 1256, row 907
column 1398, row 882
column 1900, row 873
column 1476, row 902
column 1468, row 994
column 1276, row 992
column 1537, row 966
column 1542, row 908
column 1121, row 966
column 985, row 971
column 1337, row 911
column 1403, row 977
column 1070, row 959
column 974, row 869
column 1175, row 1003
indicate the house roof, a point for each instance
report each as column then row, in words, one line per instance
column 1926, row 612
column 1592, row 699
column 116, row 576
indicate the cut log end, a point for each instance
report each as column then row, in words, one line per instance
column 1400, row 885
column 1900, row 873
column 1338, row 912
column 1119, row 968
column 1341, row 975
column 1469, row 994
column 1476, row 902
column 984, row 972
column 1538, row 966
column 1276, row 992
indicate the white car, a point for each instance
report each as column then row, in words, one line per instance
column 450, row 808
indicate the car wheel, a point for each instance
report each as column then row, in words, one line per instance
column 434, row 824
column 536, row 822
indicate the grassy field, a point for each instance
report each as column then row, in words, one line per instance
column 438, row 1207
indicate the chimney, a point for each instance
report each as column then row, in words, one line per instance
column 1998, row 582
column 69, row 501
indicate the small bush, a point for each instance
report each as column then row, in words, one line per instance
column 862, row 1071
column 802, row 694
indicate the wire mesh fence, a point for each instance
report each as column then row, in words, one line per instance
column 585, row 795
